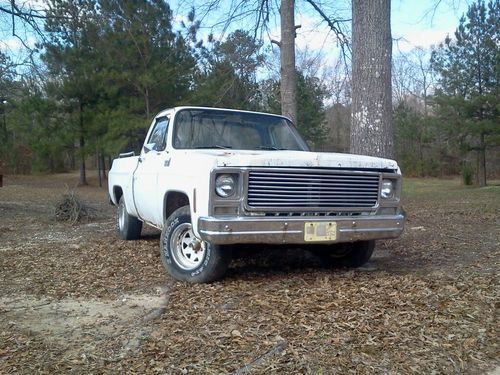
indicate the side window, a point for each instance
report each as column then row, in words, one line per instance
column 158, row 139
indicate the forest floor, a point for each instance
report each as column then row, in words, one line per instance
column 76, row 300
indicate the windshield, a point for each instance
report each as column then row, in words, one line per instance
column 205, row 128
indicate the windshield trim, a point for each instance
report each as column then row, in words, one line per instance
column 302, row 145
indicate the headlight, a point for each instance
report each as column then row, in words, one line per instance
column 387, row 189
column 225, row 185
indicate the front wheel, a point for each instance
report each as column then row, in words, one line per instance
column 360, row 253
column 185, row 256
column 351, row 254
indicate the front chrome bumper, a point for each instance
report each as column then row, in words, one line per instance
column 283, row 230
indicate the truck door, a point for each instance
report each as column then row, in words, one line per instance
column 145, row 183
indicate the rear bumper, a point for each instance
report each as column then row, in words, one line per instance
column 283, row 230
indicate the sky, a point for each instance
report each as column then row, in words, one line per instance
column 414, row 23
column 421, row 23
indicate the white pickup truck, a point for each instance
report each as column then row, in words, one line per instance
column 212, row 178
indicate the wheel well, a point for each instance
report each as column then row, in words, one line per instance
column 117, row 192
column 172, row 201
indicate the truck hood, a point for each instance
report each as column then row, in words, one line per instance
column 238, row 158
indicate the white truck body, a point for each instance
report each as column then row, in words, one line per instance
column 303, row 188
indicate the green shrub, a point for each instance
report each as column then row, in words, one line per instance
column 467, row 175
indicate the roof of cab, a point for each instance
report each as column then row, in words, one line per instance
column 179, row 108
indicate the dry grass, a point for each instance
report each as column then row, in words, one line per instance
column 74, row 299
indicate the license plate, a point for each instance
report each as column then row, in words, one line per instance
column 320, row 231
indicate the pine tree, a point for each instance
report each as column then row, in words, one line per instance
column 228, row 76
column 71, row 56
column 469, row 68
column 146, row 67
column 311, row 94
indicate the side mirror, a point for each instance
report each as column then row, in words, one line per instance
column 149, row 147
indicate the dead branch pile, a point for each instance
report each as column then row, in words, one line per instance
column 72, row 209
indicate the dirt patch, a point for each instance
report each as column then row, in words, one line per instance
column 70, row 319
column 75, row 299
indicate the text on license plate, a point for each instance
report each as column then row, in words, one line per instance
column 320, row 231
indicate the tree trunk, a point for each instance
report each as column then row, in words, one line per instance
column 4, row 123
column 83, row 176
column 287, row 57
column 372, row 130
column 99, row 176
column 103, row 165
column 481, row 162
column 146, row 101
column 72, row 161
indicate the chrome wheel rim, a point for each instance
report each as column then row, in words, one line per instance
column 187, row 250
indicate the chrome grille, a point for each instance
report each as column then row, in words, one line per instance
column 312, row 189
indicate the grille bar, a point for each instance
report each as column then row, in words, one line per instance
column 299, row 189
column 282, row 197
column 327, row 190
column 310, row 175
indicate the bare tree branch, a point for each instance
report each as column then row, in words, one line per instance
column 15, row 11
column 335, row 25
column 273, row 41
column 27, row 15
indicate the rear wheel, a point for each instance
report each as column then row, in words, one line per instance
column 128, row 227
column 188, row 258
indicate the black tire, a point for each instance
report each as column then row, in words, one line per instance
column 128, row 227
column 187, row 258
column 360, row 253
column 351, row 254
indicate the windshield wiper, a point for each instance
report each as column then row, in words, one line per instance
column 268, row 147
column 214, row 146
